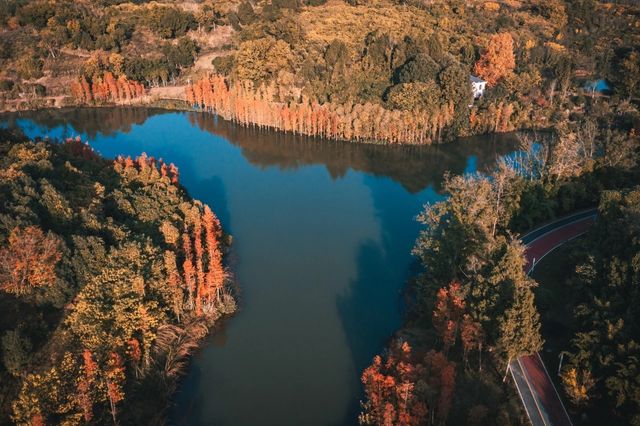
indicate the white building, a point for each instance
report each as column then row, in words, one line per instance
column 478, row 86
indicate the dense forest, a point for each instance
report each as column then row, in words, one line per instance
column 601, row 376
column 110, row 274
column 474, row 308
column 109, row 277
column 385, row 70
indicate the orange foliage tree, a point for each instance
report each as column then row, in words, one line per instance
column 106, row 88
column 498, row 60
column 389, row 389
column 115, row 377
column 147, row 164
column 215, row 273
column 246, row 104
column 448, row 313
column 440, row 375
column 203, row 269
column 29, row 260
column 199, row 253
column 79, row 149
column 188, row 270
column 86, row 385
column 472, row 337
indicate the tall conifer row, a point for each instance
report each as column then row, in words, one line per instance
column 203, row 272
column 215, row 273
column 106, row 88
column 246, row 104
column 199, row 252
column 188, row 270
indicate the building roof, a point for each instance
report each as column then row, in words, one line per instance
column 598, row 86
column 475, row 79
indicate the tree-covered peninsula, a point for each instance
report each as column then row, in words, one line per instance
column 110, row 275
column 473, row 308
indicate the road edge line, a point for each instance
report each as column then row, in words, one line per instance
column 533, row 394
column 554, row 389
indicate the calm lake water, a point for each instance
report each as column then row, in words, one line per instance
column 322, row 238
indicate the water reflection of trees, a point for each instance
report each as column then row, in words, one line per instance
column 89, row 121
column 414, row 167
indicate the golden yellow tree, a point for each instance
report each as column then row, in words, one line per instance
column 498, row 60
column 577, row 384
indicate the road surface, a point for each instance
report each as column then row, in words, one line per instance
column 535, row 387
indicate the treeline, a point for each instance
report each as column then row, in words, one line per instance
column 537, row 56
column 532, row 55
column 247, row 105
column 107, row 88
column 474, row 308
column 110, row 275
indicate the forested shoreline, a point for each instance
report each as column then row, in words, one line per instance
column 400, row 73
column 474, row 308
column 110, row 275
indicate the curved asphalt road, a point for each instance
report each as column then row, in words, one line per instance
column 537, row 392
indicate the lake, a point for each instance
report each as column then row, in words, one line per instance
column 322, row 234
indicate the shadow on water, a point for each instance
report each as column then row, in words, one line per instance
column 368, row 318
column 361, row 315
column 372, row 306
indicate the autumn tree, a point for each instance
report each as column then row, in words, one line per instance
column 114, row 376
column 262, row 59
column 49, row 396
column 188, row 269
column 567, row 158
column 215, row 273
column 440, row 376
column 448, row 313
column 28, row 260
column 498, row 60
column 87, row 385
column 578, row 384
column 105, row 88
column 200, row 276
column 390, row 389
column 472, row 337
